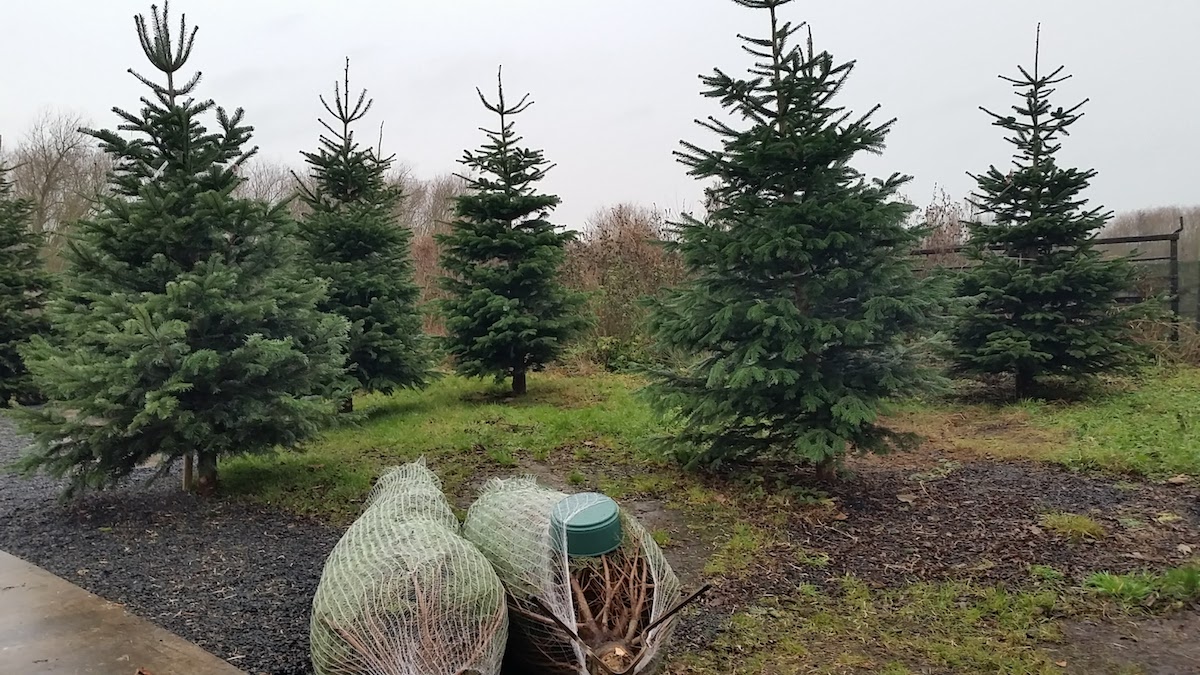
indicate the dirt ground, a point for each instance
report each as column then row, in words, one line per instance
column 937, row 514
column 1162, row 646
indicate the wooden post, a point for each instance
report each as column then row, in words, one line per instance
column 1175, row 304
column 187, row 472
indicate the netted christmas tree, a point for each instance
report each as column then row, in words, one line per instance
column 802, row 305
column 353, row 239
column 182, row 328
column 508, row 313
column 24, row 283
column 403, row 593
column 1042, row 299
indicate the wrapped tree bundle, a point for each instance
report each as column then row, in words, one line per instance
column 403, row 593
column 590, row 592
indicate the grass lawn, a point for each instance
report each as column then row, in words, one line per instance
column 792, row 562
column 1148, row 427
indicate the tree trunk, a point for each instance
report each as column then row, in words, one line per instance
column 206, row 480
column 1024, row 382
column 518, row 386
column 187, row 472
column 348, row 404
column 827, row 470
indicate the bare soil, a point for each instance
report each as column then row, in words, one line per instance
column 1162, row 646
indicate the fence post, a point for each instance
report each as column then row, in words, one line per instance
column 1175, row 299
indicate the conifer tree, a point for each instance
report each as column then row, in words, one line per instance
column 802, row 300
column 353, row 239
column 1042, row 300
column 182, row 329
column 508, row 313
column 24, row 283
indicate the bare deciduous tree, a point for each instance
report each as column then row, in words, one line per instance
column 428, row 206
column 271, row 182
column 62, row 171
column 427, row 209
column 1160, row 220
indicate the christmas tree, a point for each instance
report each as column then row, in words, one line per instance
column 802, row 301
column 507, row 314
column 1042, row 300
column 353, row 239
column 181, row 330
column 24, row 283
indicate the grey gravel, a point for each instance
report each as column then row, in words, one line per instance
column 234, row 578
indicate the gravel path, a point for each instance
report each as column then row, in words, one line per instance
column 235, row 579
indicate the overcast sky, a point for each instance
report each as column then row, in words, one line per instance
column 615, row 82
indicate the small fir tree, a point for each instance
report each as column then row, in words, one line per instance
column 353, row 239
column 24, row 283
column 507, row 314
column 802, row 296
column 182, row 328
column 1042, row 300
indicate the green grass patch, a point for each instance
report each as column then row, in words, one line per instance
column 737, row 555
column 952, row 627
column 461, row 426
column 1172, row 588
column 592, row 431
column 1073, row 526
column 1148, row 426
column 1151, row 428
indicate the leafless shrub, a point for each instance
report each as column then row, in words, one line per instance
column 947, row 221
column 618, row 259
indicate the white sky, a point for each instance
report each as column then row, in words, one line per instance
column 616, row 81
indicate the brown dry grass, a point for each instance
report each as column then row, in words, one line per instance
column 979, row 432
column 1170, row 343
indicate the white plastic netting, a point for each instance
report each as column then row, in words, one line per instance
column 607, row 601
column 403, row 593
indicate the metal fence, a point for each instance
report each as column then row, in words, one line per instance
column 1161, row 274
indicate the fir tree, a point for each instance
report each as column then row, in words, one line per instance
column 508, row 314
column 353, row 239
column 1042, row 301
column 802, row 298
column 181, row 329
column 24, row 283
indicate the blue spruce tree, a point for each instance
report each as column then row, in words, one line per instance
column 182, row 330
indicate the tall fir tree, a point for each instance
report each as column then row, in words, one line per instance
column 508, row 313
column 24, row 285
column 353, row 239
column 182, row 329
column 1041, row 299
column 802, row 301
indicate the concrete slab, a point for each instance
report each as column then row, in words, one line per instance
column 50, row 626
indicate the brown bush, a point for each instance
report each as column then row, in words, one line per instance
column 618, row 259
